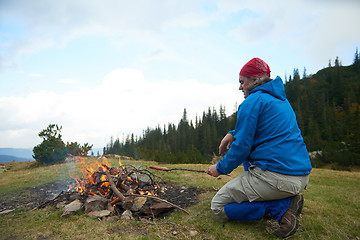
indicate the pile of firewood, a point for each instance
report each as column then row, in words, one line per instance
column 104, row 191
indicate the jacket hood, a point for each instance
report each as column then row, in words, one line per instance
column 275, row 88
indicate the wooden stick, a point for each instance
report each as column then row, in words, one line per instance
column 116, row 200
column 113, row 187
column 172, row 169
column 161, row 200
column 185, row 169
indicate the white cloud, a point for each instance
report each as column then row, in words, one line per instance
column 124, row 103
column 35, row 75
column 315, row 28
column 312, row 29
column 68, row 80
column 46, row 24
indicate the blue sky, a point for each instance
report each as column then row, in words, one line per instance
column 112, row 68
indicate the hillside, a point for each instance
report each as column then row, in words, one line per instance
column 331, row 209
column 327, row 106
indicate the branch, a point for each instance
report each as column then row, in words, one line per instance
column 114, row 188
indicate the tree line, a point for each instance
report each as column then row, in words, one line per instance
column 186, row 142
column 327, row 106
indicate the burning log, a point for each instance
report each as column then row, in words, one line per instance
column 114, row 188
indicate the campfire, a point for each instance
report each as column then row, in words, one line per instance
column 105, row 191
column 103, row 180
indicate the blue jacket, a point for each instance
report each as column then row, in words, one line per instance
column 267, row 134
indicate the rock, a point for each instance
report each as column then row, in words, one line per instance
column 99, row 214
column 96, row 203
column 158, row 207
column 138, row 203
column 73, row 206
column 193, row 233
column 127, row 214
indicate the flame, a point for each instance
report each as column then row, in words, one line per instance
column 95, row 182
column 120, row 164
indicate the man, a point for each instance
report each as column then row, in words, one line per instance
column 268, row 141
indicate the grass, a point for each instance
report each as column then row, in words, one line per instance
column 331, row 211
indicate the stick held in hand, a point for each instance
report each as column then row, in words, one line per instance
column 181, row 169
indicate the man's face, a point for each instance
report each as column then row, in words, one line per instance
column 246, row 85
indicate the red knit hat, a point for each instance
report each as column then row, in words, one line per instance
column 255, row 68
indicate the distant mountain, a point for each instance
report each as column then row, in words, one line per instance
column 15, row 154
column 7, row 158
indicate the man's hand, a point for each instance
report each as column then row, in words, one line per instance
column 212, row 171
column 226, row 141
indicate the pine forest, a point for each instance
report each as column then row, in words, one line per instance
column 327, row 107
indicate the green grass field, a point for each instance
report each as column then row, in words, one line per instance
column 331, row 210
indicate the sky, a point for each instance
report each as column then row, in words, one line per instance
column 103, row 69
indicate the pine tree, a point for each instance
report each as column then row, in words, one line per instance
column 304, row 73
column 356, row 63
column 52, row 149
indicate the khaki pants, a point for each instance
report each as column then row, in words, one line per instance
column 257, row 185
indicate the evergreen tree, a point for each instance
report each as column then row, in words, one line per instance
column 304, row 73
column 296, row 74
column 356, row 63
column 52, row 149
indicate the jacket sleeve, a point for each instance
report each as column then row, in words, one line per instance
column 244, row 133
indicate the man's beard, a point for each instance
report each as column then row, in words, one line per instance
column 249, row 87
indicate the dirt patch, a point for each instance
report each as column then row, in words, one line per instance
column 30, row 198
